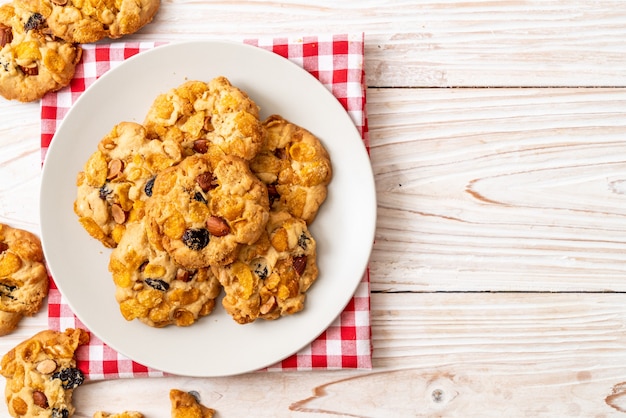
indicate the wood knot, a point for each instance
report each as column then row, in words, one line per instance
column 437, row 395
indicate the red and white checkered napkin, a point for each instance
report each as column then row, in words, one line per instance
column 337, row 61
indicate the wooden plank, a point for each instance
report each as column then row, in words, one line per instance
column 435, row 355
column 434, row 43
column 499, row 189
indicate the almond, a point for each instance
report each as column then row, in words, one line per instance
column 6, row 35
column 183, row 275
column 119, row 216
column 46, row 366
column 201, row 146
column 115, row 168
column 299, row 264
column 40, row 399
column 268, row 306
column 217, row 226
column 29, row 70
column 205, row 181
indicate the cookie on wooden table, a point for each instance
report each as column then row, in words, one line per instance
column 155, row 289
column 85, row 21
column 199, row 115
column 41, row 374
column 186, row 405
column 117, row 180
column 295, row 166
column 202, row 210
column 23, row 276
column 270, row 278
column 32, row 61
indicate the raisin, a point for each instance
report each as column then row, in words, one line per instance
column 6, row 290
column 104, row 192
column 199, row 197
column 60, row 413
column 260, row 268
column 34, row 21
column 157, row 284
column 303, row 241
column 148, row 188
column 196, row 239
column 70, row 377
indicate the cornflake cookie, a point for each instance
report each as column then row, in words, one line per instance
column 155, row 289
column 186, row 405
column 23, row 276
column 295, row 166
column 125, row 414
column 269, row 279
column 85, row 21
column 117, row 179
column 199, row 115
column 32, row 61
column 202, row 210
column 41, row 374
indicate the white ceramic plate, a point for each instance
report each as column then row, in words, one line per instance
column 216, row 345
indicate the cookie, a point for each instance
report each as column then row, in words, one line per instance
column 202, row 210
column 200, row 115
column 41, row 374
column 23, row 276
column 117, row 179
column 32, row 62
column 80, row 21
column 125, row 414
column 270, row 278
column 186, row 405
column 295, row 166
column 156, row 290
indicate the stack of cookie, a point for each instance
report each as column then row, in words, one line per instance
column 40, row 39
column 204, row 196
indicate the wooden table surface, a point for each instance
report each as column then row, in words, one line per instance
column 498, row 275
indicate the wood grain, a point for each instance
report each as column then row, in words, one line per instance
column 436, row 355
column 434, row 43
column 499, row 189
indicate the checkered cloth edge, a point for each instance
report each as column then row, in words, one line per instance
column 337, row 62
